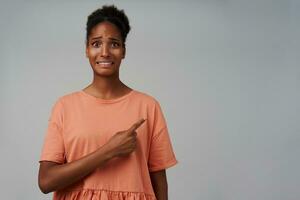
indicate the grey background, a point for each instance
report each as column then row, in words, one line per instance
column 225, row 72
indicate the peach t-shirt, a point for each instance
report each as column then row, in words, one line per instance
column 80, row 123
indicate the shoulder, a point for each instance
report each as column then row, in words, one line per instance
column 68, row 98
column 145, row 98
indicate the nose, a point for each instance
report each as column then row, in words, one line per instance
column 105, row 51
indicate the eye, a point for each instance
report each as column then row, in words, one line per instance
column 115, row 44
column 96, row 44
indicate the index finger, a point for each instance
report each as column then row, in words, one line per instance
column 136, row 125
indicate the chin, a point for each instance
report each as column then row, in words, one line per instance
column 106, row 73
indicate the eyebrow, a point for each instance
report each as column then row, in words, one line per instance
column 111, row 38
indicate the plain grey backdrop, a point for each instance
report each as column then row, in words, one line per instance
column 226, row 73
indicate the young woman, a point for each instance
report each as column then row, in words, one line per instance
column 106, row 141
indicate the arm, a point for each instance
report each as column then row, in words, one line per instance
column 160, row 185
column 54, row 176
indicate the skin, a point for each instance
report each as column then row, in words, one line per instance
column 160, row 184
column 104, row 44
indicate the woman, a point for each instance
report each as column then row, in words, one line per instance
column 106, row 141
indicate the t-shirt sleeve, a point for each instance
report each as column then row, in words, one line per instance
column 53, row 147
column 161, row 154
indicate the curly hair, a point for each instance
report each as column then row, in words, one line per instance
column 112, row 14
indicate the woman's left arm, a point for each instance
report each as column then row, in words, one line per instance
column 160, row 184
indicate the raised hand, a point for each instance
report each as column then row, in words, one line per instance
column 124, row 142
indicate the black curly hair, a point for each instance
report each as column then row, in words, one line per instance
column 109, row 13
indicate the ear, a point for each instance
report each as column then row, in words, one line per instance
column 124, row 51
column 86, row 49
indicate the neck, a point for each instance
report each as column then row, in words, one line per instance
column 106, row 87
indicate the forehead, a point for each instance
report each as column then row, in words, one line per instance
column 105, row 30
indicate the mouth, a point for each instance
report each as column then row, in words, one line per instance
column 104, row 63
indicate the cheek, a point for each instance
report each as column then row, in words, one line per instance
column 120, row 54
column 92, row 53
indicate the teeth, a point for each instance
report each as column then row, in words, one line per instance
column 104, row 63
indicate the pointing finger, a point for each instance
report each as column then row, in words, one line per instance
column 136, row 125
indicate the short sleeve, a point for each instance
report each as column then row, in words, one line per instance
column 161, row 154
column 53, row 147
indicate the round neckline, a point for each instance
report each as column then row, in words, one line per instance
column 100, row 100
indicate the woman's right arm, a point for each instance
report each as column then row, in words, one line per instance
column 54, row 176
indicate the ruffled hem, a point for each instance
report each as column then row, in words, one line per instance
column 92, row 194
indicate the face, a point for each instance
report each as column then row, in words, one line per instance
column 105, row 49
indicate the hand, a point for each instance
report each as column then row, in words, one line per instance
column 124, row 142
